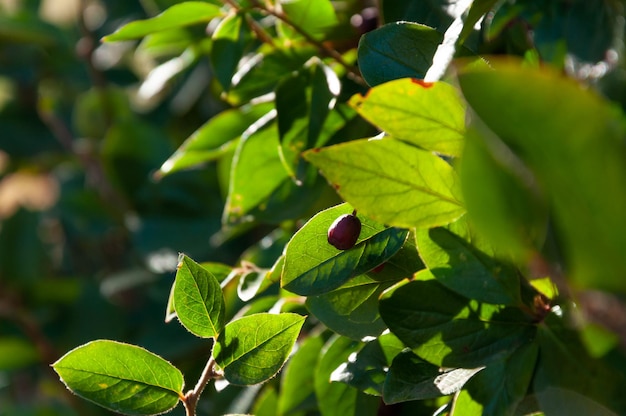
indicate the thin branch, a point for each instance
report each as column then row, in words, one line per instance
column 353, row 71
column 190, row 401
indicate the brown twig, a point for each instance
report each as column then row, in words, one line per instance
column 190, row 401
column 353, row 71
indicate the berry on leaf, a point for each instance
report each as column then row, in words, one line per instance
column 344, row 232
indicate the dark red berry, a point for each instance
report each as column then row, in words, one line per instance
column 344, row 232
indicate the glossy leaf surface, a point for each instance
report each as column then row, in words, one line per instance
column 397, row 50
column 230, row 39
column 313, row 266
column 254, row 348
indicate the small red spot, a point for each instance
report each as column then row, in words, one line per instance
column 421, row 82
column 336, row 186
column 316, row 150
column 379, row 268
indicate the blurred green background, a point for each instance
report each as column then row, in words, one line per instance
column 88, row 239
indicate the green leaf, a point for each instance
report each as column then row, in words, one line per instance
column 179, row 15
column 253, row 349
column 315, row 19
column 459, row 266
column 198, row 299
column 352, row 309
column 499, row 388
column 303, row 103
column 214, row 138
column 452, row 331
column 218, row 270
column 575, row 153
column 340, row 399
column 433, row 13
column 367, row 370
column 502, row 197
column 567, row 380
column 392, row 182
column 259, row 74
column 230, row 39
column 397, row 50
column 297, row 390
column 411, row 378
column 476, row 12
column 122, row 378
column 256, row 157
column 313, row 266
column 429, row 115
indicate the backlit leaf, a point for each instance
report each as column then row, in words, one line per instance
column 179, row 15
column 392, row 182
column 429, row 115
column 575, row 153
column 315, row 18
column 214, row 138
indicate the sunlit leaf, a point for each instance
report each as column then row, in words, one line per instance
column 121, row 377
column 179, row 15
column 429, row 115
column 254, row 348
column 313, row 266
column 198, row 299
column 230, row 39
column 392, row 182
column 214, row 138
column 314, row 18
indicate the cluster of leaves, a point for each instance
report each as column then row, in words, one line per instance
column 489, row 193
